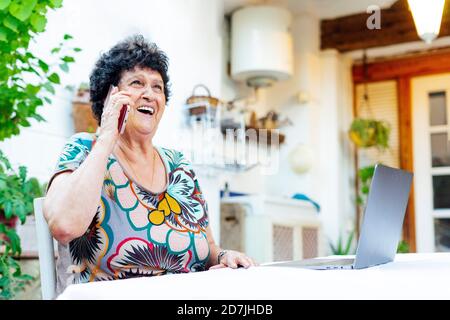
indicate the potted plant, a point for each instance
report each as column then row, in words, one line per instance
column 83, row 119
column 366, row 133
column 17, row 192
column 16, row 203
column 12, row 280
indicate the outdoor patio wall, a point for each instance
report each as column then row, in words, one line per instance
column 195, row 37
column 320, row 123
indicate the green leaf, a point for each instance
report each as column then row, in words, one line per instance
column 5, row 161
column 54, row 77
column 11, row 23
column 32, row 90
column 14, row 241
column 22, row 10
column 38, row 117
column 64, row 67
column 403, row 247
column 23, row 173
column 67, row 37
column 33, row 70
column 56, row 3
column 3, row 34
column 349, row 243
column 43, row 65
column 4, row 4
column 38, row 22
column 24, row 277
column 77, row 49
column 3, row 282
column 365, row 190
column 56, row 50
column 340, row 245
column 24, row 123
column 48, row 86
column 8, row 210
column 20, row 212
column 68, row 59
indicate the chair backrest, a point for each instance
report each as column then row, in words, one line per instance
column 46, row 253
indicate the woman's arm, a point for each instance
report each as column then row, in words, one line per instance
column 214, row 249
column 73, row 197
column 227, row 258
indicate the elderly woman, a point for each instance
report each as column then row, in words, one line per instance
column 118, row 205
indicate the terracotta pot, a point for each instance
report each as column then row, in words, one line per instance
column 83, row 118
column 357, row 139
column 10, row 223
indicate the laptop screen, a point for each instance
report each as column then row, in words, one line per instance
column 383, row 216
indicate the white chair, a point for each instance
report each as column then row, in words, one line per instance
column 46, row 252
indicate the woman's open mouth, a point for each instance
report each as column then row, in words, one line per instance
column 146, row 110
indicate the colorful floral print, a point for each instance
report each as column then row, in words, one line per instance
column 136, row 232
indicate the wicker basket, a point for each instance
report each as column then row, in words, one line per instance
column 198, row 104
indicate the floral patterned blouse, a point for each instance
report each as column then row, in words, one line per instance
column 136, row 232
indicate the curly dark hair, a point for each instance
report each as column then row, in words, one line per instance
column 134, row 51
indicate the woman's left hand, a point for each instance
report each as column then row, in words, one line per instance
column 234, row 260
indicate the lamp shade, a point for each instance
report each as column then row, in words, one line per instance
column 427, row 17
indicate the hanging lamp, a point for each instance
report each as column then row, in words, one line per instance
column 427, row 17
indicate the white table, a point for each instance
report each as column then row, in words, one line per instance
column 410, row 276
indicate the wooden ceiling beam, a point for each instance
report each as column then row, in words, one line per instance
column 397, row 26
column 424, row 64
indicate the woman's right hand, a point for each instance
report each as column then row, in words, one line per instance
column 110, row 115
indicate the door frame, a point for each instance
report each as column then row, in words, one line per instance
column 422, row 86
column 402, row 70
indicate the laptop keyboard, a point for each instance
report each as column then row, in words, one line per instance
column 337, row 262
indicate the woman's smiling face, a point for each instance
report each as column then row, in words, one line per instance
column 146, row 88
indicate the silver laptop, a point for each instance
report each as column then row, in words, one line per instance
column 382, row 224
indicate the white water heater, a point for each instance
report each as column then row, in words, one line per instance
column 261, row 45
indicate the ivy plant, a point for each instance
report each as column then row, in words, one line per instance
column 366, row 133
column 27, row 82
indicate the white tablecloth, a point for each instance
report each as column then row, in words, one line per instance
column 410, row 276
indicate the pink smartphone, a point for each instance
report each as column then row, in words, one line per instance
column 123, row 116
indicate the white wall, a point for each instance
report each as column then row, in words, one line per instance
column 336, row 176
column 320, row 123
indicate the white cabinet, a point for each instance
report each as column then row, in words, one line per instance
column 271, row 229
